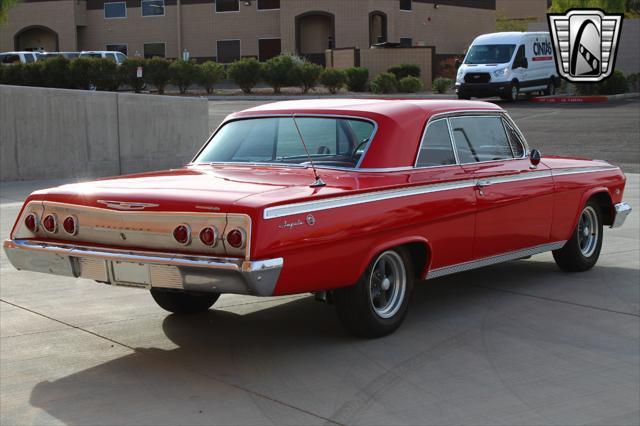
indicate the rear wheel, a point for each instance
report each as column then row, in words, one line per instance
column 180, row 302
column 582, row 251
column 378, row 303
column 551, row 88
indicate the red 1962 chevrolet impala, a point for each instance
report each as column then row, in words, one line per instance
column 351, row 199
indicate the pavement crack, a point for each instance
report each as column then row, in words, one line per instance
column 191, row 370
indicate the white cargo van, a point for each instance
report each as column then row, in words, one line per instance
column 506, row 64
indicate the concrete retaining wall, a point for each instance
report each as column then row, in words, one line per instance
column 55, row 133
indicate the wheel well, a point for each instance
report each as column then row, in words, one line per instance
column 418, row 253
column 606, row 207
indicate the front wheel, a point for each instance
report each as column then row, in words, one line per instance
column 514, row 91
column 582, row 251
column 378, row 303
column 180, row 302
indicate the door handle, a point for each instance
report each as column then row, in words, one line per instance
column 482, row 184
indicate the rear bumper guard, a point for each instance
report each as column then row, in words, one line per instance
column 147, row 269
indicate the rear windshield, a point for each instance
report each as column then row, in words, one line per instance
column 331, row 142
column 490, row 54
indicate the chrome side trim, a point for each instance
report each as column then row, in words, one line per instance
column 519, row 177
column 350, row 200
column 493, row 260
column 166, row 270
column 621, row 211
column 577, row 170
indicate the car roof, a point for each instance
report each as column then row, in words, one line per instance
column 508, row 37
column 400, row 122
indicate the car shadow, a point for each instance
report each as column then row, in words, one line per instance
column 222, row 367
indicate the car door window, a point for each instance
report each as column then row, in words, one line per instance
column 517, row 146
column 436, row 148
column 520, row 60
column 480, row 139
column 28, row 58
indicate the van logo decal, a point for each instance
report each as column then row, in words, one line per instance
column 585, row 43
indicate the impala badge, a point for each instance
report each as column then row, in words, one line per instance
column 124, row 205
column 585, row 43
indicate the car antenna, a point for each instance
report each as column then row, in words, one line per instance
column 318, row 182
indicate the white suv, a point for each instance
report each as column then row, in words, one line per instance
column 10, row 58
column 118, row 57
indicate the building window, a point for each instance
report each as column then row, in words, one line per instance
column 152, row 7
column 227, row 5
column 122, row 48
column 268, row 4
column 228, row 51
column 405, row 5
column 115, row 10
column 268, row 48
column 155, row 49
column 406, row 42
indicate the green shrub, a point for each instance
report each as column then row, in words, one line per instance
column 55, row 72
column 103, row 74
column 208, row 74
column 12, row 74
column 632, row 82
column 128, row 71
column 384, row 83
column 183, row 74
column 405, row 70
column 32, row 74
column 280, row 71
column 245, row 73
column 410, row 85
column 441, row 84
column 357, row 78
column 333, row 79
column 157, row 73
column 79, row 73
column 308, row 75
column 613, row 85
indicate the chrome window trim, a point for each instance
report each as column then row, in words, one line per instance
column 578, row 170
column 422, row 139
column 306, row 115
column 506, row 124
column 493, row 260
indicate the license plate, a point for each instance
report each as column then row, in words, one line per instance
column 128, row 273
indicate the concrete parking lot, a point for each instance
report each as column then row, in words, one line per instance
column 515, row 344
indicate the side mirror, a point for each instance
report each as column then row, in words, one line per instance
column 535, row 157
column 458, row 63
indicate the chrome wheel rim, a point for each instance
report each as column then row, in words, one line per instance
column 387, row 284
column 588, row 231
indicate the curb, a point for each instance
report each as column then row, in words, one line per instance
column 571, row 99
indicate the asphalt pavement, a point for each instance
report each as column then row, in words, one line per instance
column 516, row 344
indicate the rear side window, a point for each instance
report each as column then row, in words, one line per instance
column 480, row 139
column 436, row 148
column 28, row 57
column 9, row 59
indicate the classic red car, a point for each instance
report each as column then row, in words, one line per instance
column 351, row 199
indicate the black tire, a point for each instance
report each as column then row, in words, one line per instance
column 580, row 253
column 514, row 91
column 551, row 88
column 356, row 306
column 463, row 97
column 180, row 302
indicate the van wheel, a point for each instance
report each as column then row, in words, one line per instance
column 180, row 302
column 378, row 303
column 551, row 88
column 463, row 97
column 514, row 91
column 582, row 251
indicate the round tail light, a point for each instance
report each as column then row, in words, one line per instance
column 50, row 223
column 70, row 225
column 208, row 236
column 31, row 222
column 235, row 238
column 182, row 234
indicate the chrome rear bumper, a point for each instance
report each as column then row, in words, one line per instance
column 147, row 269
column 621, row 211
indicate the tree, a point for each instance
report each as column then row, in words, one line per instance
column 610, row 6
column 5, row 5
